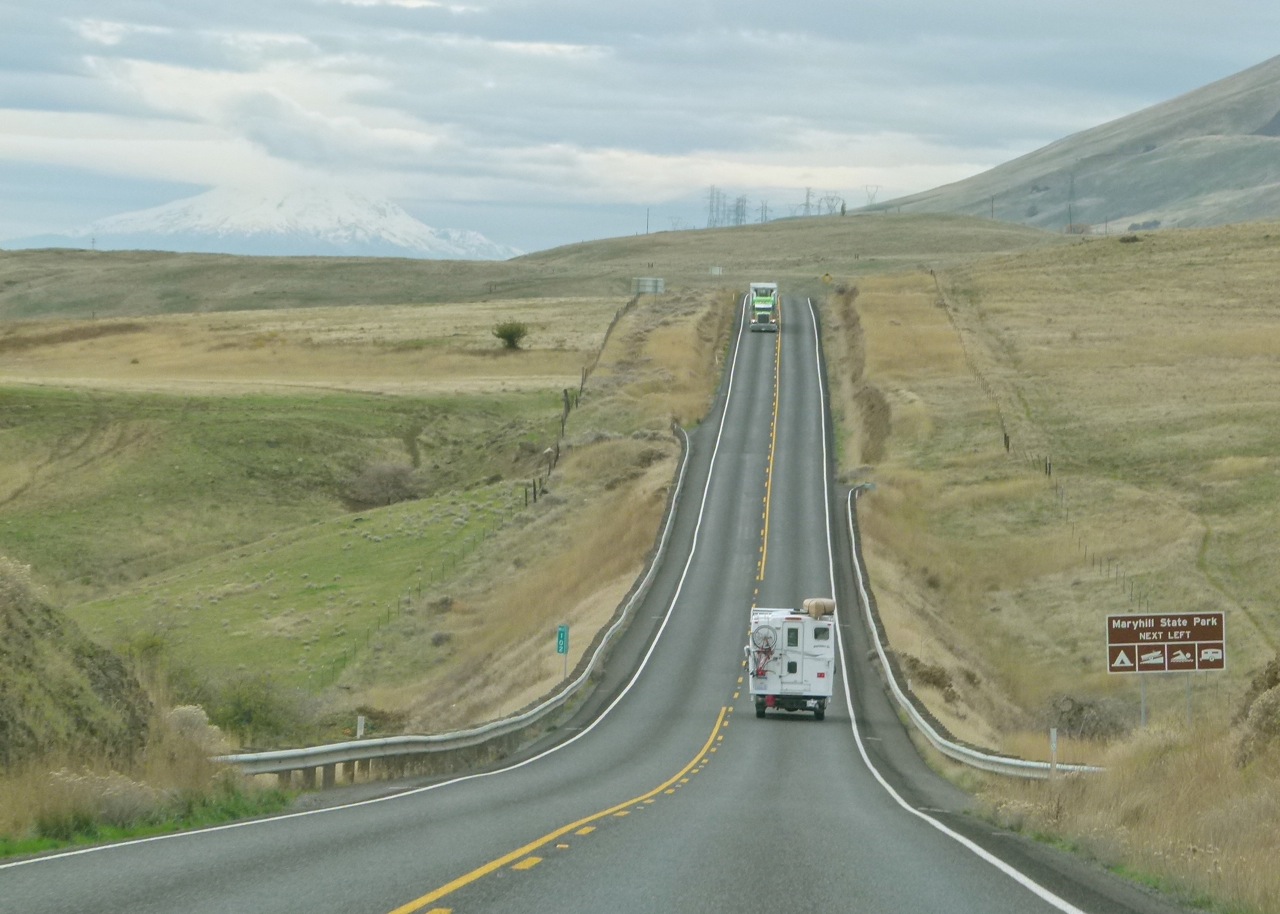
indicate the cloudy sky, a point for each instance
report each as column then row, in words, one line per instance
column 541, row 122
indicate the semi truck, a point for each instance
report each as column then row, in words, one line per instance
column 764, row 306
column 791, row 657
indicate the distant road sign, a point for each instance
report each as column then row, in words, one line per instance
column 1168, row 643
column 562, row 639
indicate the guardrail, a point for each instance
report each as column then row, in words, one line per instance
column 396, row 751
column 975, row 758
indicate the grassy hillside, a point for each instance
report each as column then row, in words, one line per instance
column 102, row 489
column 1136, row 380
column 85, row 284
column 1144, row 372
column 1209, row 157
column 60, row 692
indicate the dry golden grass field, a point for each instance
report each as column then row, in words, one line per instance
column 1144, row 370
column 407, row 349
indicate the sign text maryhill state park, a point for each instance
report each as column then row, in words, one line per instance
column 1168, row 643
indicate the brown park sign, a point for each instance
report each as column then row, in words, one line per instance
column 1166, row 642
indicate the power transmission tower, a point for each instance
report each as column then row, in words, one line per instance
column 872, row 190
column 831, row 203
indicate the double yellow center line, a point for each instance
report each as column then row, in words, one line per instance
column 517, row 857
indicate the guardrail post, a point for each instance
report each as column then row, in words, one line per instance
column 328, row 776
column 349, row 771
column 309, row 778
column 284, row 779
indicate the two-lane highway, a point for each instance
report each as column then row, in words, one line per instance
column 675, row 799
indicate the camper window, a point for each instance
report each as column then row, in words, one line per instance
column 793, row 637
column 821, row 633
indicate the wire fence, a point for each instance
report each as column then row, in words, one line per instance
column 1026, row 446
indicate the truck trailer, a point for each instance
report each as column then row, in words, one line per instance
column 791, row 657
column 764, row 306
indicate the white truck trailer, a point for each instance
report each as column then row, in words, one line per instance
column 764, row 306
column 791, row 657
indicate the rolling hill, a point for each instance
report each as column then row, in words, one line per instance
column 1209, row 157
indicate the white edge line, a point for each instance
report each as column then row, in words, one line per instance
column 63, row 855
column 1010, row 871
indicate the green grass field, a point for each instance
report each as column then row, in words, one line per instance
column 305, row 603
column 101, row 489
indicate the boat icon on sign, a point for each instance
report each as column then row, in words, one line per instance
column 1151, row 658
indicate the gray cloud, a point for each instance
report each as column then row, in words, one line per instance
column 517, row 104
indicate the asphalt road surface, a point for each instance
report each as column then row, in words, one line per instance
column 664, row 793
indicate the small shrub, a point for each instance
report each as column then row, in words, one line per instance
column 928, row 674
column 1259, row 714
column 256, row 709
column 512, row 333
column 381, row 484
column 1262, row 727
column 190, row 724
column 1100, row 719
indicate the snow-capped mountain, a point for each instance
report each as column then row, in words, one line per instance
column 307, row 222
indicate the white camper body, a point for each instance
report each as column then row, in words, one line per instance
column 764, row 306
column 791, row 657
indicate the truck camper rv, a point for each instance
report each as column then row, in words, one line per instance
column 791, row 657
